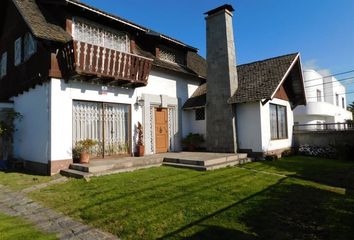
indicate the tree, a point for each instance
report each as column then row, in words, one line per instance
column 351, row 108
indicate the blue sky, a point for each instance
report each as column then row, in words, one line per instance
column 321, row 30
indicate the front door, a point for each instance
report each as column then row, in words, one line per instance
column 161, row 130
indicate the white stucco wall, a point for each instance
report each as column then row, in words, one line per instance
column 313, row 81
column 249, row 132
column 162, row 83
column 63, row 94
column 31, row 140
column 192, row 125
column 267, row 143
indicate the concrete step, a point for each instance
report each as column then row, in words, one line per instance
column 79, row 167
column 75, row 173
column 206, row 162
column 209, row 167
column 122, row 164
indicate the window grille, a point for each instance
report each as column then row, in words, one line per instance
column 106, row 123
column 199, row 114
column 30, row 46
column 3, row 65
column 171, row 55
column 18, row 51
column 98, row 35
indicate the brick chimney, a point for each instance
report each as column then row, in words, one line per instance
column 222, row 81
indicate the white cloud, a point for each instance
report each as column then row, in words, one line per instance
column 313, row 64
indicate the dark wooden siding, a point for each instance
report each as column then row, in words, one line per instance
column 29, row 73
column 281, row 94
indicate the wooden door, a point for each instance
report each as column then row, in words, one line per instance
column 161, row 130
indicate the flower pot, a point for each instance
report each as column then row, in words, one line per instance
column 84, row 157
column 140, row 150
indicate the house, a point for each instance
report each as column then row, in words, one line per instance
column 267, row 93
column 326, row 102
column 75, row 72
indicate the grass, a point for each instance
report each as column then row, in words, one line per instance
column 22, row 180
column 231, row 203
column 15, row 228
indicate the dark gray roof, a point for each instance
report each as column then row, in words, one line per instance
column 39, row 26
column 259, row 80
column 196, row 65
column 256, row 81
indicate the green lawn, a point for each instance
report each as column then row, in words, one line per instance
column 231, row 203
column 12, row 228
column 22, row 180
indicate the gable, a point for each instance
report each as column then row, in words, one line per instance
column 281, row 94
column 279, row 77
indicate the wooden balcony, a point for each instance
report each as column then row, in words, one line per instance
column 90, row 62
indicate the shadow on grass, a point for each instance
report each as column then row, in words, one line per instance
column 331, row 172
column 211, row 232
column 287, row 210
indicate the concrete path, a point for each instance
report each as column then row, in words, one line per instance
column 19, row 205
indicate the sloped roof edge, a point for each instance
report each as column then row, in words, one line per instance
column 37, row 23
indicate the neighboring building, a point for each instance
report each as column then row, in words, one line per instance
column 268, row 91
column 326, row 101
column 75, row 72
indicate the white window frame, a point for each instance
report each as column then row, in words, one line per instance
column 3, row 65
column 279, row 131
column 30, row 46
column 18, row 51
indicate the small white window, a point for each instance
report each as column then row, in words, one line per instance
column 3, row 65
column 18, row 51
column 30, row 46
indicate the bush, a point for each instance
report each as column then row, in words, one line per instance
column 344, row 151
column 271, row 157
column 193, row 141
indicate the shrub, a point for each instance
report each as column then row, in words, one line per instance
column 272, row 157
column 193, row 141
column 344, row 151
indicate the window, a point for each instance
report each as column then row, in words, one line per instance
column 98, row 35
column 30, row 46
column 343, row 103
column 337, row 99
column 200, row 114
column 3, row 65
column 319, row 97
column 171, row 55
column 278, row 122
column 18, row 51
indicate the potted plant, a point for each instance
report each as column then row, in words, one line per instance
column 192, row 142
column 140, row 145
column 84, row 148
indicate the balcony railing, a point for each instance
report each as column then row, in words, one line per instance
column 116, row 67
column 323, row 127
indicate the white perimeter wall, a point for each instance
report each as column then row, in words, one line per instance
column 267, row 143
column 31, row 140
column 63, row 94
column 249, row 132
